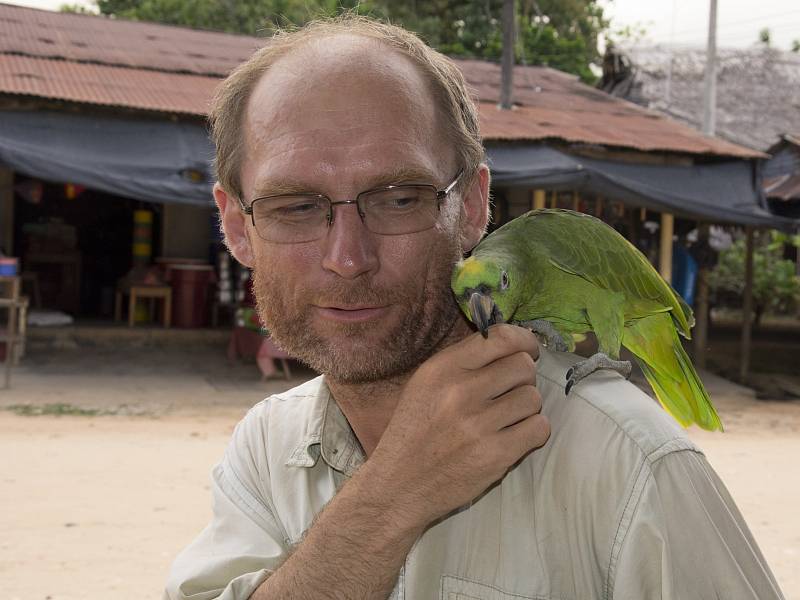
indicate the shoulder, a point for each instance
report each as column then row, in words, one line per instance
column 607, row 438
column 278, row 427
column 296, row 409
column 606, row 412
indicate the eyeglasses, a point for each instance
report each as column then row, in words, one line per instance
column 388, row 210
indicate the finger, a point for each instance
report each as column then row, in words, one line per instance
column 520, row 438
column 501, row 376
column 475, row 352
column 513, row 407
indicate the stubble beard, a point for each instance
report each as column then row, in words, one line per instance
column 352, row 355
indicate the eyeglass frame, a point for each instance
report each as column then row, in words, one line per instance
column 440, row 196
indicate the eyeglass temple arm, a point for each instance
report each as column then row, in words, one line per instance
column 248, row 210
column 442, row 193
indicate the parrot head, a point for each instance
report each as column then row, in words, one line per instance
column 482, row 288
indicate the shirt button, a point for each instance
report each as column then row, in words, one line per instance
column 335, row 450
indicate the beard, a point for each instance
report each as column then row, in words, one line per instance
column 354, row 354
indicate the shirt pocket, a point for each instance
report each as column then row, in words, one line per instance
column 458, row 588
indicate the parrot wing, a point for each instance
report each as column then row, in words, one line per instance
column 585, row 246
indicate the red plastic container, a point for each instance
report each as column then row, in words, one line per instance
column 191, row 294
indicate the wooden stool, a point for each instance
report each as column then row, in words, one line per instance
column 153, row 292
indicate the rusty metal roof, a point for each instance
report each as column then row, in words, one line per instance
column 89, row 38
column 785, row 187
column 104, row 85
column 146, row 66
column 551, row 104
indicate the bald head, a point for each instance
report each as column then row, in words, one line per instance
column 349, row 53
column 344, row 104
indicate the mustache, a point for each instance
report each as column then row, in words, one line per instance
column 342, row 292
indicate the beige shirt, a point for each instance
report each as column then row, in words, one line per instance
column 619, row 504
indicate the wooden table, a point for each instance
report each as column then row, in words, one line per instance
column 153, row 292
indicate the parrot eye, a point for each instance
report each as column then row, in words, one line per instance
column 504, row 281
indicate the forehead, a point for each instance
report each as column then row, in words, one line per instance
column 345, row 106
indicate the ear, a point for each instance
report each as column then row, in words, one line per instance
column 475, row 212
column 234, row 225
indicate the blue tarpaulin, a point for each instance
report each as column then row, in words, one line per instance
column 726, row 191
column 167, row 161
column 145, row 159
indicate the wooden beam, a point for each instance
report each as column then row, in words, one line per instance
column 700, row 333
column 747, row 307
column 665, row 251
column 539, row 199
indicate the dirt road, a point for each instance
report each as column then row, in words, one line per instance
column 96, row 507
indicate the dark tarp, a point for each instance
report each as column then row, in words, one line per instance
column 166, row 161
column 720, row 192
column 145, row 159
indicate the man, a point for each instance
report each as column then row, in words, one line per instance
column 351, row 178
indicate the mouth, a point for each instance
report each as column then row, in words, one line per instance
column 483, row 311
column 351, row 313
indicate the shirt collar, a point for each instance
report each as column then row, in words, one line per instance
column 329, row 435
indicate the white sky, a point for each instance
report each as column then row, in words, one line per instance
column 686, row 21
column 671, row 21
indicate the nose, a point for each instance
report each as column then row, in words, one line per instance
column 349, row 249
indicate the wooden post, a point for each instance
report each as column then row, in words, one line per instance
column 538, row 199
column 507, row 64
column 747, row 307
column 576, row 201
column 598, row 209
column 665, row 251
column 700, row 333
column 7, row 210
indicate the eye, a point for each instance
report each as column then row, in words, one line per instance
column 504, row 281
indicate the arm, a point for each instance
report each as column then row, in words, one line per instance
column 354, row 549
column 467, row 414
column 464, row 417
column 687, row 539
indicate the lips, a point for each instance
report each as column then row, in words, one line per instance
column 351, row 314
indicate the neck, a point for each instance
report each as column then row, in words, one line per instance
column 369, row 407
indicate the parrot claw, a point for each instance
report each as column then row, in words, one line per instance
column 544, row 329
column 597, row 361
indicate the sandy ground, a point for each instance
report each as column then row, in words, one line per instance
column 97, row 506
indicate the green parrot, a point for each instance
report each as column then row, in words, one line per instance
column 561, row 274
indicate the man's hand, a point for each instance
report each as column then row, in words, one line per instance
column 465, row 417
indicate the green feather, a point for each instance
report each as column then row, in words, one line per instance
column 581, row 275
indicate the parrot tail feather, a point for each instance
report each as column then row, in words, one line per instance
column 669, row 371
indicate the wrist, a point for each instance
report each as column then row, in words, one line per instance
column 393, row 501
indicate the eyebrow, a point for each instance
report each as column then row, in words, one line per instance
column 400, row 175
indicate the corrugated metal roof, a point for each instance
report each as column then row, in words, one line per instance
column 88, row 38
column 785, row 188
column 104, row 85
column 146, row 66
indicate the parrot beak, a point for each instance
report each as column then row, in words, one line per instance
column 482, row 311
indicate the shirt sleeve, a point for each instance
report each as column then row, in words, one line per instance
column 687, row 540
column 243, row 544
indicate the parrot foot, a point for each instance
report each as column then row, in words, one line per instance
column 545, row 330
column 597, row 361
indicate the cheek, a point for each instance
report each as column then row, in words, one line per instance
column 407, row 258
column 286, row 265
